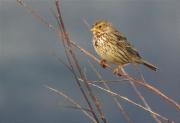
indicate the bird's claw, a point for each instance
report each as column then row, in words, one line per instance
column 118, row 71
column 103, row 63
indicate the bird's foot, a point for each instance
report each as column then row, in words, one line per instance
column 119, row 70
column 103, row 63
column 116, row 70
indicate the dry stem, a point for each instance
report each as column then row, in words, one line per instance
column 72, row 101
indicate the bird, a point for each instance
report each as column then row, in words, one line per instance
column 112, row 46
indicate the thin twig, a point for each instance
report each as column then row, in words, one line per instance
column 71, row 58
column 107, row 81
column 72, row 101
column 120, row 107
column 96, row 101
column 132, row 102
column 61, row 61
column 77, row 66
column 141, row 96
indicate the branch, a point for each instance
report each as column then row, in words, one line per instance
column 71, row 101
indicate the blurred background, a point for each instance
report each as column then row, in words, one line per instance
column 29, row 52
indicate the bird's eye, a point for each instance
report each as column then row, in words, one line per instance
column 100, row 26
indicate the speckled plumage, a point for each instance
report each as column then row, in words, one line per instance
column 112, row 46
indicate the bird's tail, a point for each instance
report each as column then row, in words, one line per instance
column 149, row 65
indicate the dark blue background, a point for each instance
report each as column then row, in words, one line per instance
column 27, row 62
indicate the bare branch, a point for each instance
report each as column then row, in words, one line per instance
column 72, row 102
column 120, row 107
column 132, row 102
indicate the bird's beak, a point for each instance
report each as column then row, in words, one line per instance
column 93, row 29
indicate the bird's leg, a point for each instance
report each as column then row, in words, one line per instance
column 119, row 70
column 103, row 63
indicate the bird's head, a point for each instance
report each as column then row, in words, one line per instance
column 101, row 26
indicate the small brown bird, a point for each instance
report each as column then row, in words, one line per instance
column 112, row 46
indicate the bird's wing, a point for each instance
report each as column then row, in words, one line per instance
column 133, row 51
column 120, row 36
column 122, row 40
